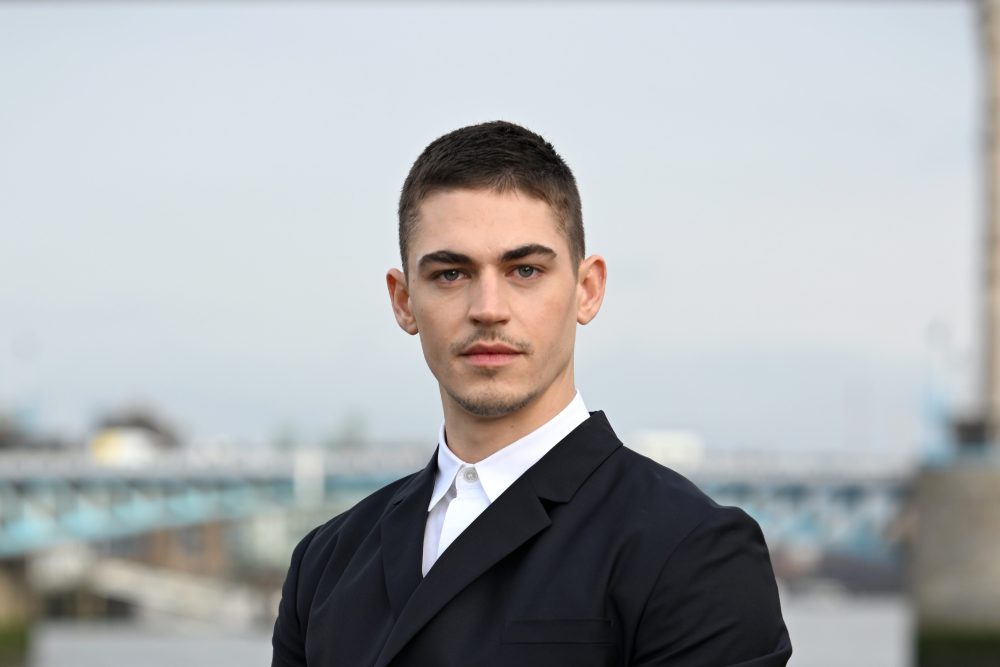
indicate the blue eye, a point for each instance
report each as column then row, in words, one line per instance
column 451, row 275
column 525, row 271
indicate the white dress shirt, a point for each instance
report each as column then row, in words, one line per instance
column 477, row 485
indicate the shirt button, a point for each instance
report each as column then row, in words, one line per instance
column 470, row 475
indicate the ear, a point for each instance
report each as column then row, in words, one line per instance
column 399, row 297
column 591, row 278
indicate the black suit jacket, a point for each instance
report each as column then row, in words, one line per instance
column 595, row 556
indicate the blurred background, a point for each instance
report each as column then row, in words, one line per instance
column 198, row 362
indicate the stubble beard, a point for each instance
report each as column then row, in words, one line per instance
column 490, row 404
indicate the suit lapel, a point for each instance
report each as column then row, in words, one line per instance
column 403, row 537
column 514, row 518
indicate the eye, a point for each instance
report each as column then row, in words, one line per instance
column 526, row 271
column 451, row 275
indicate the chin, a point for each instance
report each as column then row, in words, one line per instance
column 492, row 404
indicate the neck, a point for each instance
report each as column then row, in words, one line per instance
column 472, row 438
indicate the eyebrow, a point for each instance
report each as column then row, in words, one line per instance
column 452, row 257
column 526, row 251
column 444, row 257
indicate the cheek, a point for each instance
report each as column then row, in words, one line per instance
column 562, row 304
column 554, row 320
column 435, row 333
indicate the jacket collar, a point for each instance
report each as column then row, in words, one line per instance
column 517, row 515
column 559, row 474
column 502, row 468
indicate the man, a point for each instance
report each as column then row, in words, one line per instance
column 533, row 537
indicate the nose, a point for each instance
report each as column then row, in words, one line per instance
column 488, row 300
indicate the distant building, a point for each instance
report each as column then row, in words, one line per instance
column 134, row 436
column 681, row 450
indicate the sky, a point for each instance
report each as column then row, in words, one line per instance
column 198, row 207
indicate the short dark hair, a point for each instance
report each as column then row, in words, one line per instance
column 498, row 156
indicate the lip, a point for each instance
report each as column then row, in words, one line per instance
column 490, row 355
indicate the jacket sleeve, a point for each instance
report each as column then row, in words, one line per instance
column 288, row 641
column 715, row 601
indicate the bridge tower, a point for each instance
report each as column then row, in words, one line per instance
column 956, row 576
column 990, row 32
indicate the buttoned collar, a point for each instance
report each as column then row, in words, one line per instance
column 499, row 470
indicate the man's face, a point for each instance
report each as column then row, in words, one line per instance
column 495, row 295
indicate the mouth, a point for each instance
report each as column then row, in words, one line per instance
column 490, row 355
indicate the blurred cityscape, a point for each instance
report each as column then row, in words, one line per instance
column 133, row 527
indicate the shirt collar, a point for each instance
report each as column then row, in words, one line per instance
column 499, row 470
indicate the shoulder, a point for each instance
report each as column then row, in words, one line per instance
column 676, row 525
column 710, row 573
column 655, row 477
column 662, row 499
column 325, row 549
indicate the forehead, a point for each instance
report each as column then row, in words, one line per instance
column 484, row 222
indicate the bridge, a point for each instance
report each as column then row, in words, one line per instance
column 839, row 504
column 161, row 539
column 49, row 499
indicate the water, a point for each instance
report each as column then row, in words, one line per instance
column 826, row 632
column 122, row 644
column 839, row 631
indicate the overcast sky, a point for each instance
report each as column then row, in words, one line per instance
column 197, row 206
